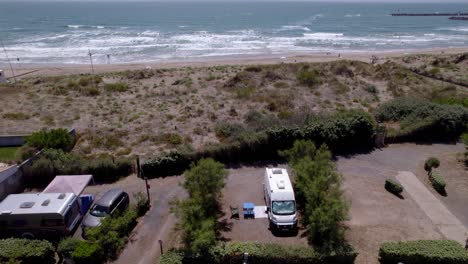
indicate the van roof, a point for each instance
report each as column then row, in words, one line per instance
column 109, row 197
column 36, row 203
column 279, row 180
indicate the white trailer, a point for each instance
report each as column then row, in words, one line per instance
column 280, row 200
column 39, row 215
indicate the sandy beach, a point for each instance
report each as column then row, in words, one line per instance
column 67, row 69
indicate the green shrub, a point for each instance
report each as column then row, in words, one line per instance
column 112, row 234
column 393, row 186
column 423, row 252
column 26, row 251
column 55, row 139
column 16, row 116
column 308, row 77
column 340, row 131
column 25, row 152
column 67, row 246
column 87, row 80
column 431, row 163
column 141, row 203
column 172, row 257
column 116, row 87
column 438, row 182
column 420, row 119
column 87, row 253
column 230, row 131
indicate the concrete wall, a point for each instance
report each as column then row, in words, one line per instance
column 18, row 140
column 7, row 141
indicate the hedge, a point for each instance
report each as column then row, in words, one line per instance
column 26, row 251
column 393, row 186
column 423, row 252
column 423, row 120
column 232, row 252
column 341, row 131
column 56, row 162
column 87, row 253
column 438, row 182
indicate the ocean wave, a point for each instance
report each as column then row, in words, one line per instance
column 84, row 26
column 354, row 15
column 294, row 27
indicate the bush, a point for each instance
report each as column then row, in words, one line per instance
column 67, row 246
column 172, row 257
column 26, row 251
column 116, row 87
column 308, row 77
column 112, row 234
column 24, row 153
column 141, row 203
column 340, row 131
column 423, row 251
column 16, row 116
column 87, row 253
column 431, row 163
column 438, row 182
column 423, row 120
column 54, row 139
column 232, row 252
column 393, row 187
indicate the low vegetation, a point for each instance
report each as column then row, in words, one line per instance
column 8, row 154
column 232, row 252
column 438, row 182
column 13, row 250
column 423, row 120
column 56, row 162
column 341, row 131
column 423, row 251
column 430, row 164
column 393, row 187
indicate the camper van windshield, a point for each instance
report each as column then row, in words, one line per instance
column 283, row 207
column 99, row 211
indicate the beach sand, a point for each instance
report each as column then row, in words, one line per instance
column 67, row 69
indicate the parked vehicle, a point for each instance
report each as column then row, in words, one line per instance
column 39, row 215
column 280, row 200
column 113, row 201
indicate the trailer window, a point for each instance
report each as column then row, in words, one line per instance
column 283, row 207
column 71, row 213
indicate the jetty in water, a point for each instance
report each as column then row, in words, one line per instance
column 430, row 14
column 459, row 18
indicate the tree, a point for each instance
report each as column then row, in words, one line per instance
column 54, row 139
column 199, row 213
column 318, row 193
column 430, row 164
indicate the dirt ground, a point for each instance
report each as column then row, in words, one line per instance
column 376, row 215
column 245, row 184
column 157, row 224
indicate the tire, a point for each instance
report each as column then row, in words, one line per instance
column 27, row 235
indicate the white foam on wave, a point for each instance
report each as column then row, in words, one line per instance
column 85, row 26
column 353, row 15
column 294, row 27
column 322, row 35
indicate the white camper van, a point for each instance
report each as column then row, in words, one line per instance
column 279, row 198
column 44, row 215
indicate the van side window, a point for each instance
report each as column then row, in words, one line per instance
column 52, row 222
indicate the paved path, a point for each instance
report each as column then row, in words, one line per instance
column 441, row 217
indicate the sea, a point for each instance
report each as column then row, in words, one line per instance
column 67, row 32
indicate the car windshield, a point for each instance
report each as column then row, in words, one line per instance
column 98, row 210
column 283, row 207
